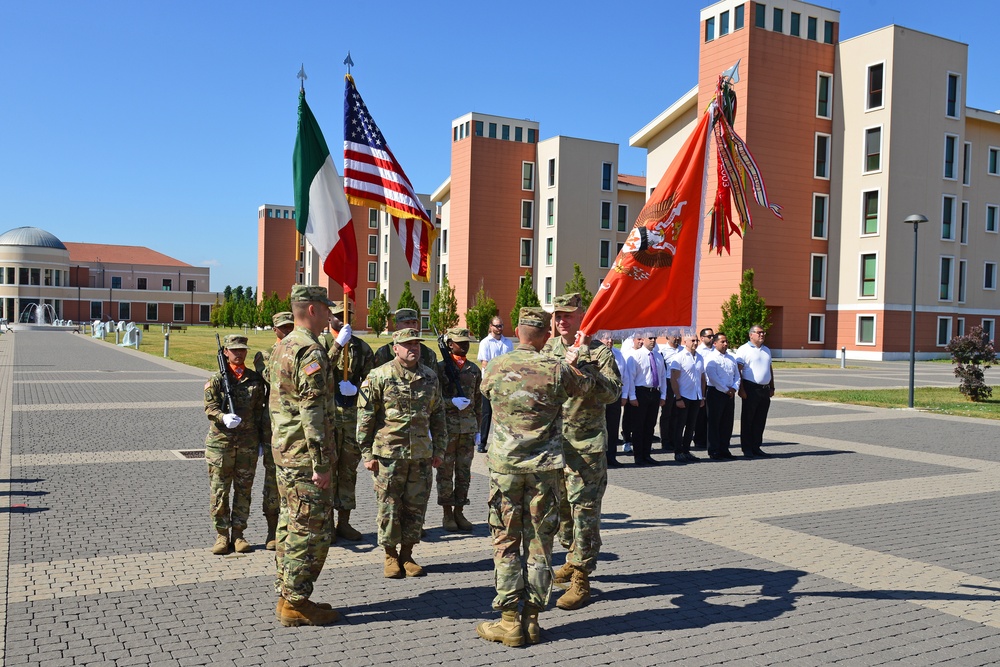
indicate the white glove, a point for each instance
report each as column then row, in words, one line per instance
column 461, row 403
column 343, row 336
column 347, row 389
column 231, row 420
column 479, row 439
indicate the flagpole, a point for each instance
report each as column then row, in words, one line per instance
column 301, row 76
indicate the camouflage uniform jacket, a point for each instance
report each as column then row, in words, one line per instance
column 300, row 391
column 385, row 354
column 401, row 414
column 360, row 362
column 467, row 420
column 584, row 416
column 251, row 407
column 527, row 390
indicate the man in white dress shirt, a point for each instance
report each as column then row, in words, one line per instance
column 687, row 377
column 705, row 348
column 648, row 391
column 613, row 412
column 667, row 350
column 723, row 375
column 630, row 346
column 756, row 390
column 492, row 346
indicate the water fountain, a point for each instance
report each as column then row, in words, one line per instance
column 39, row 316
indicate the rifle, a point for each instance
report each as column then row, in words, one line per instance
column 449, row 364
column 227, row 390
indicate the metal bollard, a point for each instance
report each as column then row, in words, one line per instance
column 166, row 342
column 843, row 357
column 116, row 336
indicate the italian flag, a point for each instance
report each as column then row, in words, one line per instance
column 322, row 213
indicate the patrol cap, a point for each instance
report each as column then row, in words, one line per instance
column 405, row 335
column 307, row 293
column 234, row 342
column 282, row 318
column 405, row 315
column 338, row 308
column 533, row 317
column 567, row 303
column 459, row 335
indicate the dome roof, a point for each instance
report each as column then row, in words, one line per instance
column 31, row 236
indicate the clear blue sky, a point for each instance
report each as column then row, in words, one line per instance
column 166, row 124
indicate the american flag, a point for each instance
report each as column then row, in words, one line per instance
column 373, row 177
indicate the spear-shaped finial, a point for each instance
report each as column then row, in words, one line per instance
column 348, row 62
column 301, row 76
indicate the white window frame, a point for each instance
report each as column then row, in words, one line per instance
column 174, row 312
column 551, row 172
column 829, row 152
column 373, row 218
column 864, row 213
column 951, row 277
column 937, row 332
column 958, row 95
column 204, row 317
column 619, row 210
column 857, row 329
column 531, row 185
column 822, row 328
column 550, row 212
column 826, row 216
column 425, row 299
column 996, row 219
column 963, row 279
column 156, row 310
column 372, row 295
column 963, row 222
column 602, row 244
column 993, row 150
column 531, row 218
column 944, row 158
column 373, row 275
column 125, row 304
column 548, row 290
column 531, row 250
column 954, row 216
column 812, row 259
column 611, row 178
column 861, row 275
column 864, row 149
column 829, row 94
column 600, row 217
column 989, row 329
column 987, row 274
column 868, row 69
column 550, row 250
column 967, row 163
column 373, row 245
column 959, row 326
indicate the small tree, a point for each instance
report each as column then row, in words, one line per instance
column 407, row 300
column 972, row 354
column 744, row 310
column 444, row 307
column 483, row 310
column 525, row 298
column 579, row 284
column 378, row 314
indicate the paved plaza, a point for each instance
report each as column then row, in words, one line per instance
column 869, row 538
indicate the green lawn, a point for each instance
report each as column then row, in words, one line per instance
column 941, row 400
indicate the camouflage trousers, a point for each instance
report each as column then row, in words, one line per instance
column 345, row 474
column 454, row 475
column 584, row 481
column 272, row 502
column 523, row 518
column 402, row 488
column 231, row 466
column 303, row 535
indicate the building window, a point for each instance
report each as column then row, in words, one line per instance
column 990, row 276
column 190, row 286
column 168, row 284
column 606, row 176
column 963, row 225
column 178, row 312
column 605, row 215
column 709, row 28
column 950, row 150
column 527, row 214
column 527, row 175
column 869, row 275
column 811, row 28
column 959, row 326
column 869, row 204
column 550, row 251
column 36, row 276
column 47, row 280
column 945, row 293
column 817, row 328
column 738, row 18
column 525, row 252
column 874, row 99
column 948, row 218
column 873, row 149
column 531, row 135
column 943, row 331
column 760, row 15
column 605, row 254
column 518, row 133
column 992, row 211
column 866, row 330
column 454, row 134
column 493, row 131
column 22, row 275
column 373, row 272
column 372, row 295
column 988, row 328
column 385, row 270
column 622, row 217
column 723, row 24
column 822, row 156
column 373, row 244
column 204, row 312
column 963, row 266
column 425, row 322
column 967, row 163
column 778, row 20
column 10, row 275
column 552, row 172
column 505, row 132
column 96, row 310
column 140, row 283
column 821, row 208
column 550, row 212
column 425, row 299
column 993, row 162
column 817, row 288
column 385, row 244
column 952, row 107
column 824, row 83
column 795, row 29
column 58, row 278
column 548, row 291
column 479, row 128
column 828, row 32
column 443, row 247
column 116, row 281
column 372, row 218
column 151, row 312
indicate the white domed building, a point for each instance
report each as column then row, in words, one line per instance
column 89, row 281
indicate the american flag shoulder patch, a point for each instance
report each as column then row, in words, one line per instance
column 311, row 368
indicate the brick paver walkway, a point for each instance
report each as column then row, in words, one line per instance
column 869, row 539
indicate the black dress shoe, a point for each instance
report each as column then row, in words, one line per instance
column 749, row 455
column 613, row 463
column 639, row 463
column 680, row 458
column 716, row 457
column 726, row 454
column 691, row 457
column 650, row 461
column 760, row 452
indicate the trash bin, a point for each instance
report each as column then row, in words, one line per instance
column 145, row 327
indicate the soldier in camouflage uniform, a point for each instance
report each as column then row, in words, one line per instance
column 463, row 415
column 360, row 361
column 406, row 318
column 302, row 445
column 527, row 389
column 232, row 444
column 402, row 432
column 283, row 325
column 585, row 438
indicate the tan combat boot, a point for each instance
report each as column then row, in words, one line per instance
column 563, row 574
column 406, row 560
column 578, row 593
column 221, row 546
column 507, row 630
column 272, row 527
column 463, row 523
column 529, row 623
column 344, row 528
column 293, row 614
column 448, row 521
column 393, row 569
column 239, row 544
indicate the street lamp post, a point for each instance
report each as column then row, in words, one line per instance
column 914, row 220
